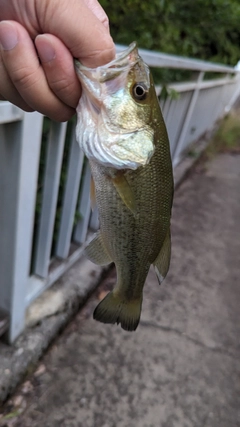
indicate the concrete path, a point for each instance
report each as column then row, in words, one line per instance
column 181, row 368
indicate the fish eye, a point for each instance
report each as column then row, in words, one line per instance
column 139, row 91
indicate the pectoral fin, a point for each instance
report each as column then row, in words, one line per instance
column 96, row 251
column 162, row 261
column 125, row 192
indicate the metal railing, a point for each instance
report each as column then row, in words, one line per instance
column 199, row 104
column 42, row 228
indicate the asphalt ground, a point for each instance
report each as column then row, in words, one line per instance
column 181, row 368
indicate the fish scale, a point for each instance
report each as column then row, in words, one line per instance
column 134, row 200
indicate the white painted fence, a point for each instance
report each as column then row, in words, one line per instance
column 41, row 235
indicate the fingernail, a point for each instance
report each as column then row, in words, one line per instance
column 8, row 36
column 45, row 49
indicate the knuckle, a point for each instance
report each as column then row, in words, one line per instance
column 61, row 85
column 24, row 77
column 66, row 90
column 8, row 91
column 105, row 21
column 108, row 54
column 101, row 57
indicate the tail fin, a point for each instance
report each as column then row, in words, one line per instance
column 114, row 309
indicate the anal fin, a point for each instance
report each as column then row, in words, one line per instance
column 162, row 261
column 97, row 252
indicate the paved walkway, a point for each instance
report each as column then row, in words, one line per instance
column 181, row 368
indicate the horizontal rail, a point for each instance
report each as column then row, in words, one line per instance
column 190, row 86
column 164, row 60
column 37, row 285
column 9, row 112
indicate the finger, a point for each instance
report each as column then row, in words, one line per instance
column 22, row 65
column 79, row 28
column 57, row 63
column 8, row 90
column 98, row 11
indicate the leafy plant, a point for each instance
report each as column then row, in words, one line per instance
column 202, row 29
column 227, row 136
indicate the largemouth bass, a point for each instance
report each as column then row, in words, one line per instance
column 121, row 130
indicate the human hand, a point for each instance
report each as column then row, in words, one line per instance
column 54, row 31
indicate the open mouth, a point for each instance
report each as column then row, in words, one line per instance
column 123, row 60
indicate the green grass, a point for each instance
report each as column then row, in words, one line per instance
column 227, row 137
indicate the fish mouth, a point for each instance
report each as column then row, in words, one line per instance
column 103, row 140
column 113, row 74
column 123, row 60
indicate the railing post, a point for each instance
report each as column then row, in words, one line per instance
column 75, row 166
column 187, row 119
column 20, row 143
column 55, row 147
column 84, row 208
column 235, row 96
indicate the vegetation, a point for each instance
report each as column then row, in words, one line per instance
column 204, row 29
column 227, row 136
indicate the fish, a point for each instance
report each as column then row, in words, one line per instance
column 121, row 130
